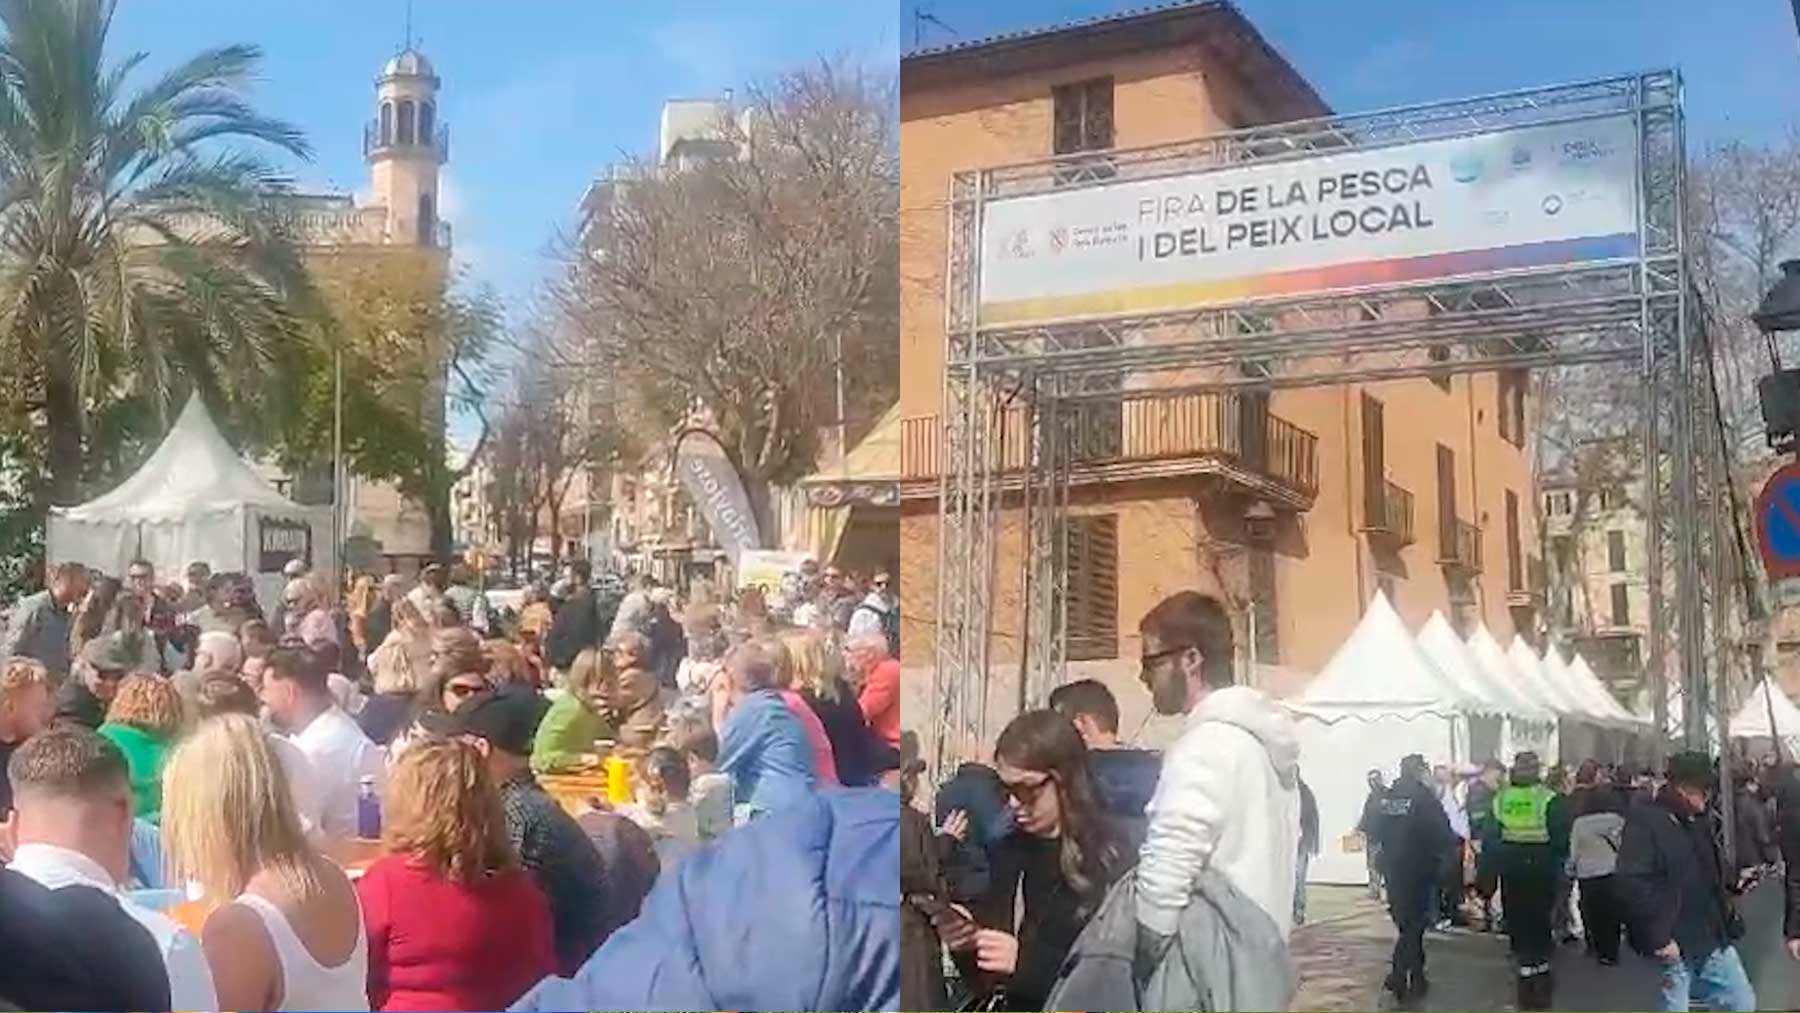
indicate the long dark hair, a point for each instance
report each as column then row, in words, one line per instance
column 1045, row 741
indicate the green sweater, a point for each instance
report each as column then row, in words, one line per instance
column 145, row 753
column 568, row 730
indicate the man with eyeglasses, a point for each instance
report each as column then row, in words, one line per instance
column 158, row 614
column 1228, row 796
column 104, row 663
column 878, row 614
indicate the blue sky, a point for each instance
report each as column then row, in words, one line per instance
column 1739, row 59
column 540, row 95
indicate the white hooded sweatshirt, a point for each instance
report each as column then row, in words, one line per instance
column 1228, row 798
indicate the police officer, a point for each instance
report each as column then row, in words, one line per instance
column 1416, row 842
column 1531, row 817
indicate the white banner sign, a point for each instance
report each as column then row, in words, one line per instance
column 1510, row 200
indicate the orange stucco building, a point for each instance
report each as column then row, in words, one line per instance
column 1294, row 506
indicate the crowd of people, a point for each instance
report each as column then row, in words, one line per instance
column 1036, row 871
column 348, row 803
column 1608, row 855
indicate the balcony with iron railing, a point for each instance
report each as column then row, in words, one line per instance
column 1388, row 514
column 1459, row 546
column 437, row 144
column 1141, row 439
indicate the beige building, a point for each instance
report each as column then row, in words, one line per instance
column 1597, row 562
column 1295, row 506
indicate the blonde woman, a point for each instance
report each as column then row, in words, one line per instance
column 824, row 756
column 399, row 667
column 577, row 718
column 818, row 676
column 285, row 931
column 143, row 720
column 453, row 922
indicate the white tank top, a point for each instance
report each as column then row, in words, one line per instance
column 305, row 984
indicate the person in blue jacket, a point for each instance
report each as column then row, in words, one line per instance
column 763, row 746
column 797, row 911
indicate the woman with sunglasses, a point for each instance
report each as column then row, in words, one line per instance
column 459, row 670
column 1061, row 858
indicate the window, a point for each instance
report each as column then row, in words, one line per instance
column 1446, row 484
column 1083, row 121
column 1556, row 504
column 426, row 115
column 406, row 122
column 1515, row 570
column 387, row 124
column 1083, row 115
column 1562, row 551
column 1621, row 605
column 1615, row 551
column 1374, row 463
column 427, row 221
column 1093, row 588
column 1609, row 498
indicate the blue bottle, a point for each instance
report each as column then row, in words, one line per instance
column 368, row 810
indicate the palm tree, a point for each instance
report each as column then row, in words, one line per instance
column 140, row 257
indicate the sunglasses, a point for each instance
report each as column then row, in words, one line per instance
column 1027, row 792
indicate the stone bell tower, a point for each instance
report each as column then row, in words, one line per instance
column 405, row 144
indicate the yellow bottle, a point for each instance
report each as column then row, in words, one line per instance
column 618, row 780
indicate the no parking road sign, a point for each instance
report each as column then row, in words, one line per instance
column 1778, row 523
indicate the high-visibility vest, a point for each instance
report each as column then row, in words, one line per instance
column 1523, row 814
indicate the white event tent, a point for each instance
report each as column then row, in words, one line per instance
column 1753, row 720
column 1520, row 720
column 194, row 500
column 1540, row 738
column 1378, row 699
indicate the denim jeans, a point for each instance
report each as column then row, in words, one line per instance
column 1718, row 980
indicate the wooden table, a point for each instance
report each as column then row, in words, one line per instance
column 574, row 790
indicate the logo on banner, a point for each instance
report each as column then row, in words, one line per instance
column 281, row 541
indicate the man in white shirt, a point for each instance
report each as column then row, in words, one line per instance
column 297, row 692
column 1228, row 797
column 72, row 827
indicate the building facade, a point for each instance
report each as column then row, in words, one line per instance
column 1294, row 507
column 1596, row 552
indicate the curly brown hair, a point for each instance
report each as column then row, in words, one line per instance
column 444, row 810
column 149, row 702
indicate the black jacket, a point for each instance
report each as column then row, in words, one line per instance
column 852, row 744
column 1414, row 832
column 1787, row 834
column 1125, row 779
column 1030, row 868
column 921, row 957
column 1671, row 881
column 1755, row 831
column 74, row 948
column 578, row 625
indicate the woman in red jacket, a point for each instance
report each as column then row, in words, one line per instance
column 453, row 922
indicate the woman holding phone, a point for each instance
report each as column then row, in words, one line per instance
column 1060, row 860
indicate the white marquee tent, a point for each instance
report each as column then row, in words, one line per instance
column 1378, row 699
column 1753, row 719
column 195, row 499
column 1537, row 737
column 1520, row 718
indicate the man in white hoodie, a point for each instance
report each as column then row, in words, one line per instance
column 1228, row 795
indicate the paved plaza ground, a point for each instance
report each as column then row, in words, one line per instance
column 1342, row 955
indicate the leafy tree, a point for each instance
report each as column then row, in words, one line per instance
column 140, row 258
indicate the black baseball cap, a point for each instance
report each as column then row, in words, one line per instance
column 506, row 716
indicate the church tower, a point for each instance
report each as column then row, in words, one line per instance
column 404, row 145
